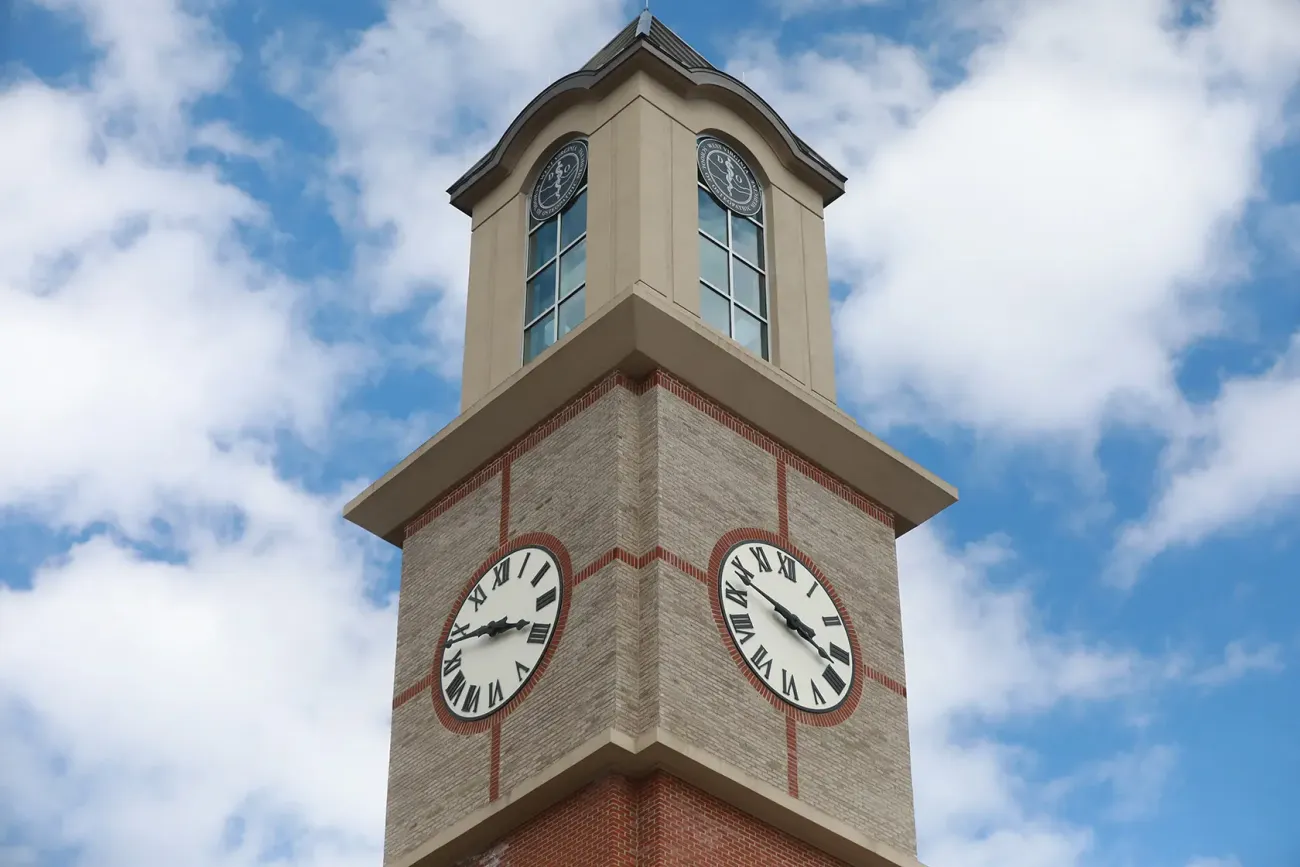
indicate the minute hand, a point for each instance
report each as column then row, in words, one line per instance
column 803, row 630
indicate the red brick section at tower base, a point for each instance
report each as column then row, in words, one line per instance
column 659, row 821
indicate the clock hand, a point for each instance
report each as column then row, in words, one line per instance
column 503, row 625
column 491, row 629
column 797, row 626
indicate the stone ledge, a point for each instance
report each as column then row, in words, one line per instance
column 613, row 752
column 638, row 332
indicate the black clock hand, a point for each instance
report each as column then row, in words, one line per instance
column 792, row 620
column 502, row 625
column 491, row 629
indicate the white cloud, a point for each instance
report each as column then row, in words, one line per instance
column 249, row 682
column 1214, row 862
column 418, row 99
column 1238, row 662
column 1238, row 461
column 151, row 707
column 795, row 8
column 977, row 653
column 1030, row 252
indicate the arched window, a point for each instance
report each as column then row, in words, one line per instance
column 554, row 302
column 733, row 263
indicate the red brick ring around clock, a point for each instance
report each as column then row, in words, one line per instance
column 850, row 702
column 525, row 540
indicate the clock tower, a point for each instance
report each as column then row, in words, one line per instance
column 649, row 605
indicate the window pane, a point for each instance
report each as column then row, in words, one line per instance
column 713, row 219
column 541, row 293
column 747, row 240
column 572, row 311
column 541, row 246
column 573, row 222
column 573, row 268
column 539, row 337
column 748, row 288
column 715, row 310
column 751, row 334
column 713, row 264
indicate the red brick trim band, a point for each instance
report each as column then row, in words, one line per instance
column 791, row 757
column 639, row 561
column 505, row 503
column 782, row 499
column 494, row 761
column 657, row 379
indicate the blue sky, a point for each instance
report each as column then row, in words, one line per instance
column 232, row 293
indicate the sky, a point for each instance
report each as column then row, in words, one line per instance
column 232, row 295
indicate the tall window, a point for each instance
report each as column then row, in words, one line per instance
column 554, row 302
column 733, row 270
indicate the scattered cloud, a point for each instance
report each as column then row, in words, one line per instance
column 1240, row 661
column 1237, row 461
column 419, row 98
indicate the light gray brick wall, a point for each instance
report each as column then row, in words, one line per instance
column 641, row 648
column 860, row 770
column 435, row 776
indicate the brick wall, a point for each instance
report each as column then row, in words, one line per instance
column 658, row 821
column 638, row 482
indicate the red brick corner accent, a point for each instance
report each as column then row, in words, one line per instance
column 430, row 681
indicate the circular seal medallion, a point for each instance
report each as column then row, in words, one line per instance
column 728, row 178
column 559, row 180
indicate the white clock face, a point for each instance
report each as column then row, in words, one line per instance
column 500, row 633
column 786, row 626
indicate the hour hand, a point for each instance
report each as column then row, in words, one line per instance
column 485, row 629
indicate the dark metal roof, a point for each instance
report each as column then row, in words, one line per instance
column 649, row 31
column 647, row 27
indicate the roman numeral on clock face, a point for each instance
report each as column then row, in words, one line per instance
column 451, row 663
column 521, row 670
column 787, row 685
column 738, row 595
column 762, row 662
column 741, row 572
column 545, row 599
column 760, row 557
column 471, row 699
column 537, row 634
column 831, row 621
column 786, row 564
column 478, row 597
column 500, row 573
column 743, row 624
column 840, row 653
column 832, row 677
column 456, row 687
column 495, row 694
column 546, row 567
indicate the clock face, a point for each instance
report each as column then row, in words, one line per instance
column 500, row 632
column 786, row 626
column 559, row 180
column 728, row 178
